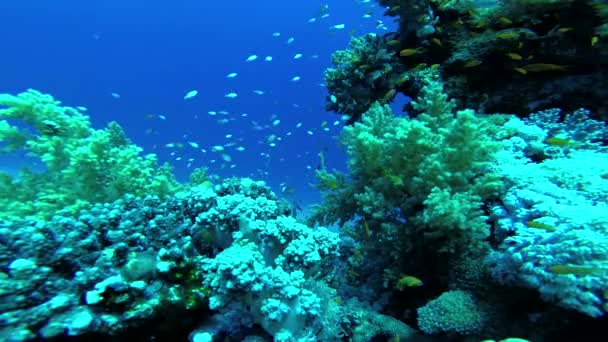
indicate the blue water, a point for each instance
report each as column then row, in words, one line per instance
column 151, row 53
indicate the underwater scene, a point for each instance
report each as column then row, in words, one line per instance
column 298, row 171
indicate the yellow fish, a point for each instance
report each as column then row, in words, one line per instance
column 389, row 96
column 366, row 226
column 408, row 281
column 594, row 41
column 540, row 67
column 392, row 10
column 472, row 64
column 514, row 56
column 393, row 42
column 573, row 269
column 419, row 67
column 507, row 35
column 353, row 274
column 481, row 24
column 505, row 21
column 521, row 70
column 540, row 225
column 409, row 52
column 561, row 142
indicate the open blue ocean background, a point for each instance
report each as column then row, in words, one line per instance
column 133, row 61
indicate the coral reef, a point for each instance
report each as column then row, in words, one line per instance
column 451, row 223
column 497, row 202
column 226, row 254
column 228, row 248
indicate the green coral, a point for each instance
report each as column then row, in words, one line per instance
column 418, row 184
column 455, row 217
column 435, row 149
column 82, row 165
